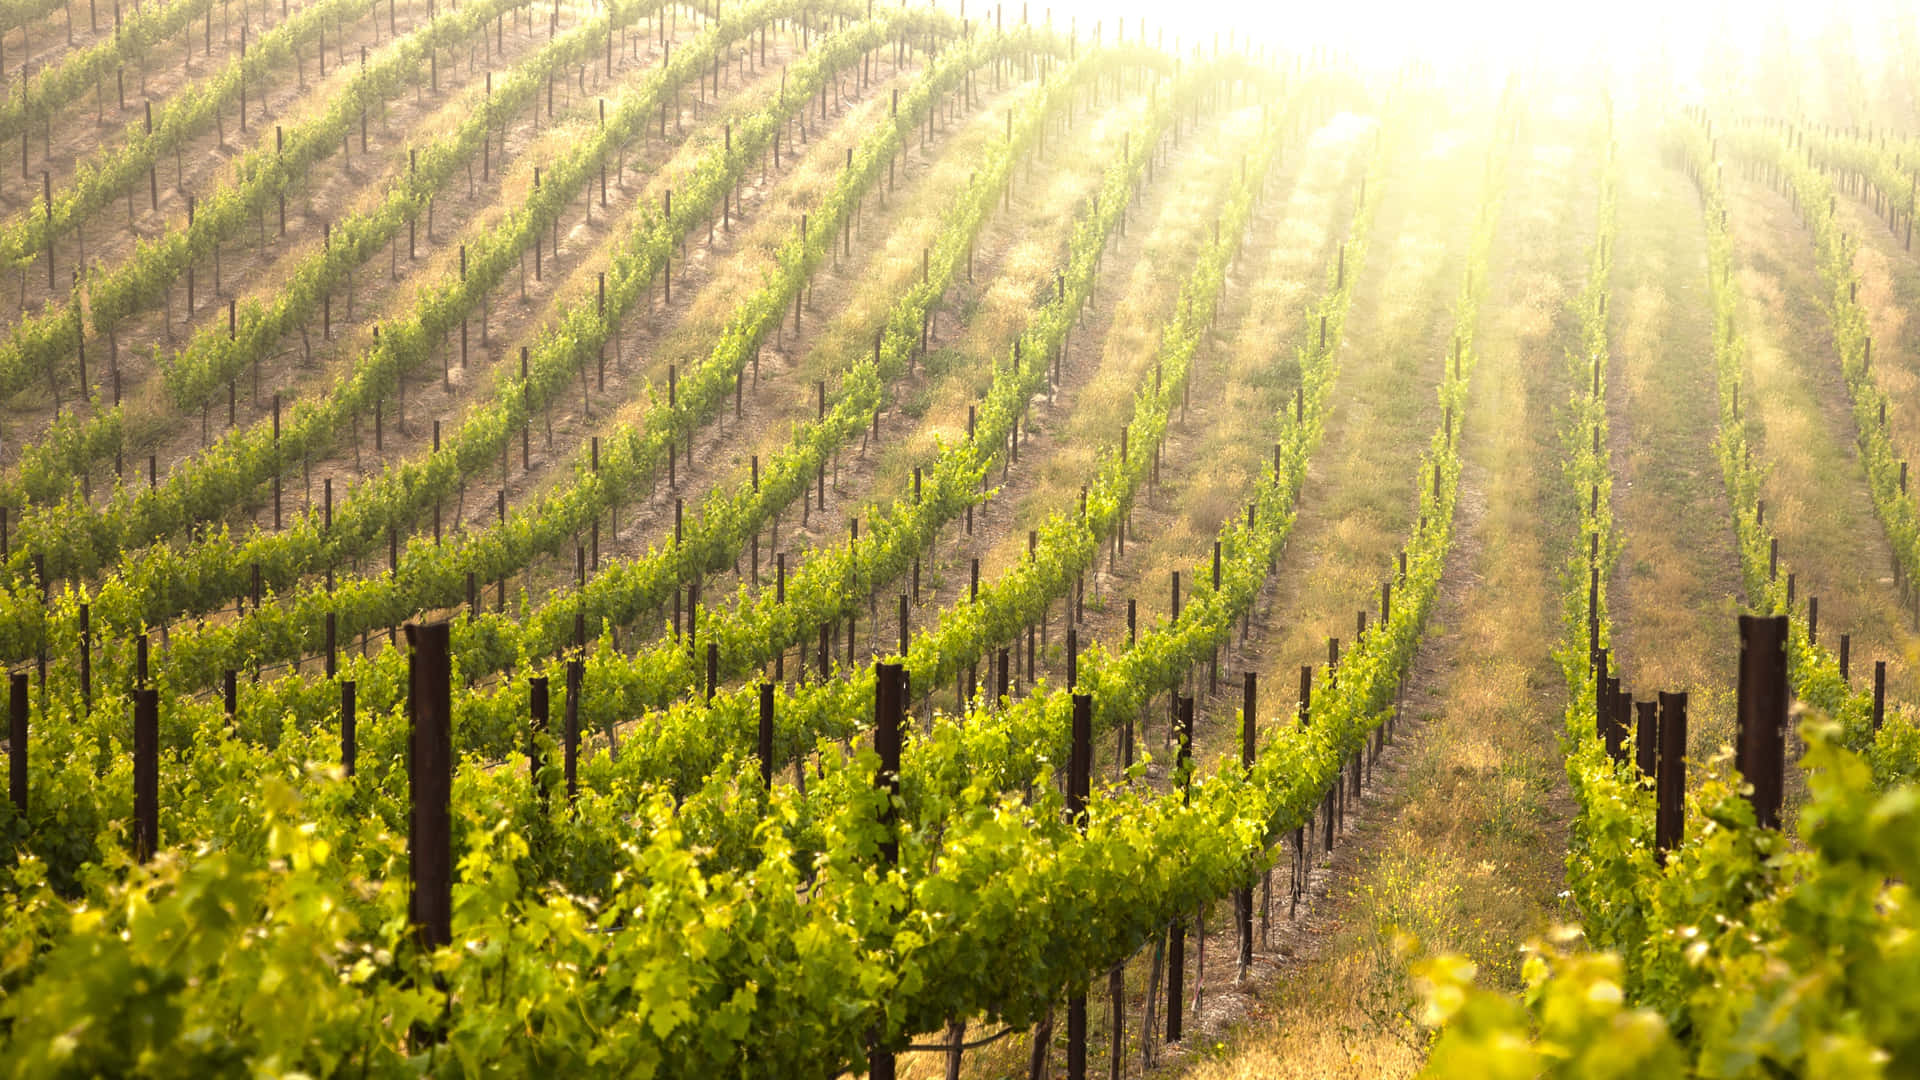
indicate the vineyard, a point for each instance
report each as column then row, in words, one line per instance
column 816, row 538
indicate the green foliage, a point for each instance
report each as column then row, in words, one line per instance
column 1754, row 955
column 1579, row 1023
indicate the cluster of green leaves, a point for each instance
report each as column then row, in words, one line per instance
column 80, row 71
column 1750, row 953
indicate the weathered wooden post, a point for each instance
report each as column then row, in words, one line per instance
column 17, row 741
column 146, row 773
column 1879, row 693
column 576, row 674
column 1646, row 737
column 1177, row 933
column 349, row 726
column 1670, row 785
column 1079, row 785
column 1619, row 708
column 430, row 783
column 537, row 713
column 1760, row 744
column 889, row 706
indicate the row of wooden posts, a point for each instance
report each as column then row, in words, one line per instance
column 1660, row 727
column 1763, row 698
column 432, row 758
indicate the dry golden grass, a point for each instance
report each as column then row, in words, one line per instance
column 1016, row 257
column 336, row 191
column 1676, row 587
column 1462, row 850
column 1121, row 359
column 1247, row 373
column 1358, row 500
column 1292, row 236
column 1815, row 489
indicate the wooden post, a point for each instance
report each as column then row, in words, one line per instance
column 906, row 626
column 1670, row 783
column 1646, row 737
column 230, row 698
column 1760, row 744
column 1079, row 784
column 766, row 735
column 17, row 741
column 1177, row 933
column 430, row 783
column 1879, row 693
column 1619, row 711
column 537, row 711
column 888, row 710
column 576, row 674
column 146, row 773
column 349, row 752
column 1249, row 725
